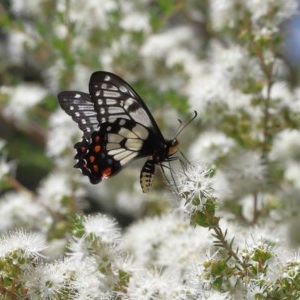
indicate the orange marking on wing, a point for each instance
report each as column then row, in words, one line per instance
column 106, row 173
column 97, row 139
column 83, row 149
column 95, row 168
column 97, row 148
column 92, row 158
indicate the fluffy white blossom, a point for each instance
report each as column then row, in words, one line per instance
column 104, row 228
column 55, row 187
column 166, row 242
column 228, row 13
column 219, row 80
column 194, row 182
column 210, row 146
column 28, row 245
column 61, row 134
column 286, row 146
column 156, row 285
column 19, row 209
column 135, row 21
column 25, row 8
column 245, row 171
column 22, row 98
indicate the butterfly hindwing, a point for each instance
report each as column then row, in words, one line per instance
column 111, row 148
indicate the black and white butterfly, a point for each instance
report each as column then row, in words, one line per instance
column 117, row 128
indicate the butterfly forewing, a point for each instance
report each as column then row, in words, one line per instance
column 114, row 98
column 79, row 106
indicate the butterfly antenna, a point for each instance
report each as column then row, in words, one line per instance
column 184, row 126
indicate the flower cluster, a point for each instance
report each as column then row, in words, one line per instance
column 227, row 229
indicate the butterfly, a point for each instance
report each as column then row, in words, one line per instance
column 117, row 128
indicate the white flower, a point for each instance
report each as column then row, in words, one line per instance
column 145, row 285
column 29, row 244
column 19, row 210
column 104, row 228
column 80, row 12
column 55, row 187
column 23, row 97
column 160, row 45
column 225, row 13
column 6, row 167
column 63, row 129
column 23, row 7
column 80, row 279
column 135, row 21
column 17, row 40
column 220, row 79
column 210, row 146
column 194, row 182
column 167, row 242
column 269, row 13
column 245, row 171
column 286, row 146
column 282, row 10
column 292, row 173
column 100, row 239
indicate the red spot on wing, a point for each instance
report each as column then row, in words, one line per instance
column 95, row 168
column 106, row 173
column 97, row 148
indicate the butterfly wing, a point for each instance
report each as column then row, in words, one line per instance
column 114, row 98
column 80, row 107
column 117, row 127
column 111, row 148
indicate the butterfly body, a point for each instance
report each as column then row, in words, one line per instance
column 117, row 129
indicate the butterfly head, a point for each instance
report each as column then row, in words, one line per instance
column 172, row 146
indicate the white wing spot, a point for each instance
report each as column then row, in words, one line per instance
column 100, row 102
column 83, row 121
column 134, row 144
column 114, row 138
column 122, row 122
column 98, row 93
column 77, row 96
column 71, row 107
column 122, row 155
column 102, row 111
column 116, row 152
column 113, row 110
column 127, row 133
column 123, row 89
column 128, row 158
column 77, row 114
column 128, row 102
column 111, row 101
column 111, row 94
column 141, row 131
column 112, row 146
column 107, row 78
